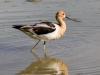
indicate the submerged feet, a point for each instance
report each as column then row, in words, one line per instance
column 44, row 50
column 35, row 55
column 32, row 50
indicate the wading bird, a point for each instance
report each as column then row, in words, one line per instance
column 45, row 31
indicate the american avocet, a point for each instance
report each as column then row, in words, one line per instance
column 45, row 30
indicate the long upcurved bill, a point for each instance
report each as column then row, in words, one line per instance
column 72, row 19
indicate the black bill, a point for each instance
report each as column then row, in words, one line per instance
column 72, row 19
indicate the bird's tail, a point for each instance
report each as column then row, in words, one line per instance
column 17, row 26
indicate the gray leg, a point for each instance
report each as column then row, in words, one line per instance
column 32, row 50
column 44, row 49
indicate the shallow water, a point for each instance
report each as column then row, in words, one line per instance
column 78, row 48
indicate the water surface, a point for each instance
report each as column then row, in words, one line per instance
column 78, row 48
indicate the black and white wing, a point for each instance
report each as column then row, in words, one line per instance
column 38, row 28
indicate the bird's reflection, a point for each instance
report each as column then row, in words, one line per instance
column 47, row 66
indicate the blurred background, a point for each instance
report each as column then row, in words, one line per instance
column 78, row 48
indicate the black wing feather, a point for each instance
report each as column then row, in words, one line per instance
column 17, row 26
column 49, row 24
column 43, row 30
column 39, row 30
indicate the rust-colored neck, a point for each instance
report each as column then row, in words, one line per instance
column 60, row 21
column 61, row 27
